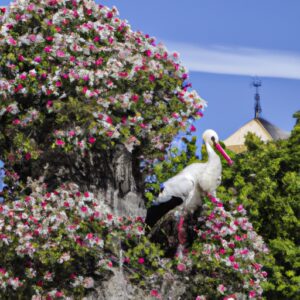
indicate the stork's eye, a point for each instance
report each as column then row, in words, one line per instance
column 213, row 139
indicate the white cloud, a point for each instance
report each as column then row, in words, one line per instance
column 239, row 61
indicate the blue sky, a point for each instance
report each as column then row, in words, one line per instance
column 225, row 43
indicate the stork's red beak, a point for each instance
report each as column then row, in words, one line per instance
column 224, row 154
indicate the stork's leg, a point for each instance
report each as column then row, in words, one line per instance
column 181, row 231
column 181, row 236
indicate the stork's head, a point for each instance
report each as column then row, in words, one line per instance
column 211, row 137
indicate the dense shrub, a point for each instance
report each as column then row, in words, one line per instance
column 58, row 244
column 266, row 179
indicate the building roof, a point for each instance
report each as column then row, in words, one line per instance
column 275, row 132
column 265, row 130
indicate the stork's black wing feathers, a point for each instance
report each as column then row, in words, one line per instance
column 155, row 212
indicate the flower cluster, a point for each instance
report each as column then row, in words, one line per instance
column 229, row 240
column 53, row 244
column 75, row 68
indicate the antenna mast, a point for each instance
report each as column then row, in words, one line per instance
column 257, row 108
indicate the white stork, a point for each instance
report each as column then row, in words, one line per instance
column 190, row 185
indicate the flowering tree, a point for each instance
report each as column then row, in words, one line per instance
column 76, row 80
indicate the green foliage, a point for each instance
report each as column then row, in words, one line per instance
column 266, row 179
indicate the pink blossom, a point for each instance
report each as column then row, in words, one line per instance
column 232, row 258
column 48, row 49
column 141, row 260
column 109, row 120
column 221, row 288
column 2, row 271
column 32, row 37
column 30, row 7
column 192, row 128
column 37, row 59
column 181, row 267
column 231, row 245
column 175, row 55
column 123, row 74
column 71, row 133
column 148, row 53
column 23, row 76
column 244, row 251
column 16, row 122
column 86, row 78
column 12, row 41
column 109, row 15
column 252, row 294
column 222, row 251
column 240, row 208
column 58, row 83
column 135, row 98
column 84, row 209
column 264, row 273
column 99, row 61
column 60, row 53
column 65, row 76
column 257, row 266
column 60, row 142
column 238, row 238
column 151, row 77
column 89, row 12
column 92, row 140
column 110, row 264
column 89, row 236
column 154, row 293
column 199, row 113
column 59, row 294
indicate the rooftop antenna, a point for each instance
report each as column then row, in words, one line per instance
column 257, row 108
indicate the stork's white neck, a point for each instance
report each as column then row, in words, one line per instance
column 210, row 151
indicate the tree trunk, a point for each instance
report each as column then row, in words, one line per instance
column 112, row 175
